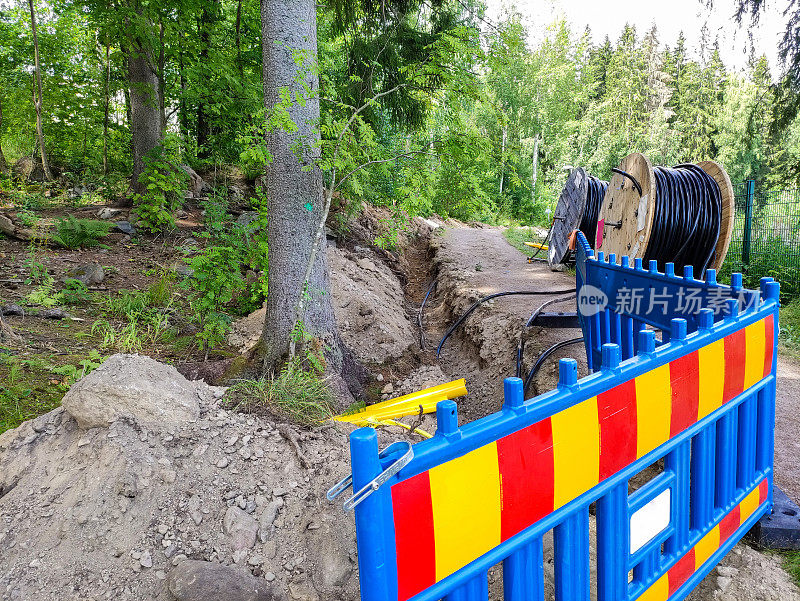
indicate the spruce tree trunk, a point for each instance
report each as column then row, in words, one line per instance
column 37, row 98
column 145, row 113
column 294, row 187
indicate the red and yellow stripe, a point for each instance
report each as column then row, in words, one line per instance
column 663, row 588
column 455, row 512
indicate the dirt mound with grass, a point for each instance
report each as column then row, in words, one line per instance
column 109, row 512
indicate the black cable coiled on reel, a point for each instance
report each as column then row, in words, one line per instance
column 595, row 191
column 686, row 219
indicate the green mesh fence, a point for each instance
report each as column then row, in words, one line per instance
column 768, row 242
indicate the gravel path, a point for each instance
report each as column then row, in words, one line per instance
column 787, row 428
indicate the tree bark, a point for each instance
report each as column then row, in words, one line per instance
column 3, row 163
column 239, row 39
column 37, row 98
column 183, row 111
column 503, row 160
column 106, row 103
column 204, row 26
column 145, row 113
column 294, row 187
column 162, row 109
column 535, row 167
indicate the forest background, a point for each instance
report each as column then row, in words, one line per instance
column 489, row 138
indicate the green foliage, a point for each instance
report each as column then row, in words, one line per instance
column 254, row 156
column 73, row 233
column 518, row 236
column 74, row 292
column 32, row 386
column 295, row 393
column 27, row 218
column 164, row 183
column 73, row 373
column 44, row 295
column 775, row 259
column 789, row 335
column 216, row 281
column 791, row 563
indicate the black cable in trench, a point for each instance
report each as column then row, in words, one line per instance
column 477, row 303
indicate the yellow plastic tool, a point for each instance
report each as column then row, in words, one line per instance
column 536, row 245
column 408, row 404
column 392, row 422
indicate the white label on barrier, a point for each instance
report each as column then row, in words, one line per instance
column 651, row 519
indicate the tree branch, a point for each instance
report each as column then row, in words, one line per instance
column 390, row 160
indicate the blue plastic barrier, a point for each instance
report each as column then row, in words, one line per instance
column 432, row 519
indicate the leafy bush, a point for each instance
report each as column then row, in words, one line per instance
column 216, row 281
column 75, row 233
column 165, row 184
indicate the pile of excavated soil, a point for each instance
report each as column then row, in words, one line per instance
column 109, row 512
column 369, row 305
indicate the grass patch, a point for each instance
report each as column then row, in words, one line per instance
column 518, row 236
column 791, row 563
column 33, row 386
column 789, row 336
column 296, row 394
column 145, row 315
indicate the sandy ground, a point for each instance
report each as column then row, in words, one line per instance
column 787, row 428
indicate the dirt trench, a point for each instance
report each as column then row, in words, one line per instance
column 464, row 264
column 111, row 512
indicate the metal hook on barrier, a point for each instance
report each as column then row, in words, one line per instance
column 379, row 480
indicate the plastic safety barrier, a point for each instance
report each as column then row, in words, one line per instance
column 691, row 411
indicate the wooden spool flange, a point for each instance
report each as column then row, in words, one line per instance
column 622, row 206
column 627, row 218
column 568, row 215
column 716, row 171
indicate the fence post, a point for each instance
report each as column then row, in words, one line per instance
column 748, row 221
column 373, row 560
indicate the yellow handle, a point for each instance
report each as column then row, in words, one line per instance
column 408, row 404
column 536, row 245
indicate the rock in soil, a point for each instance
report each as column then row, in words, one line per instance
column 135, row 386
column 125, row 227
column 205, row 581
column 89, row 274
column 108, row 213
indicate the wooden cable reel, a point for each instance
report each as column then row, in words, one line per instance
column 626, row 217
column 578, row 209
column 568, row 214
